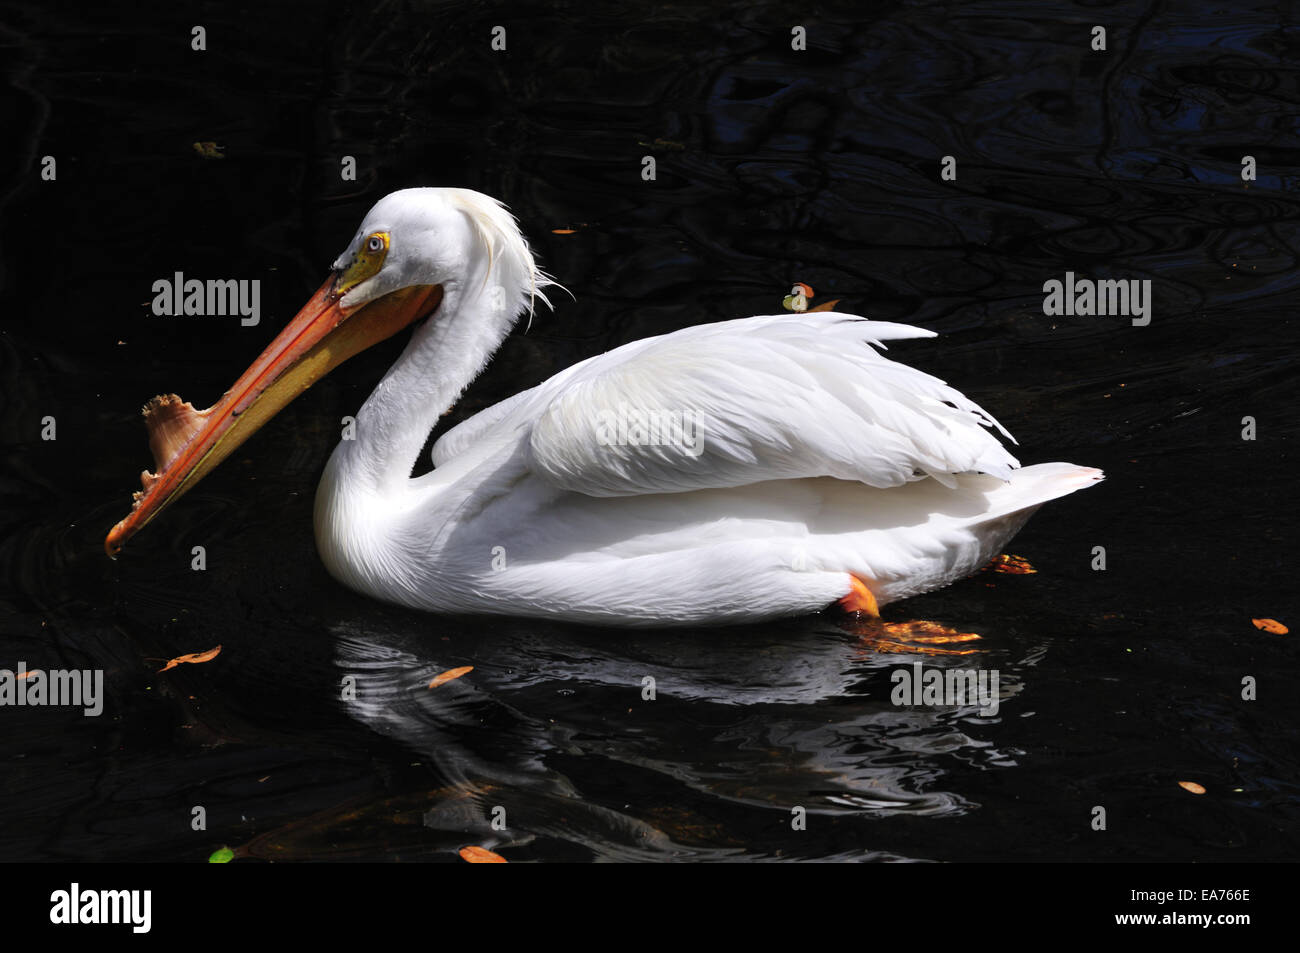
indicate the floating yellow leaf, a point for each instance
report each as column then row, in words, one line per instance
column 450, row 675
column 1271, row 625
column 194, row 659
column 1191, row 786
column 1015, row 565
column 208, row 150
column 480, row 855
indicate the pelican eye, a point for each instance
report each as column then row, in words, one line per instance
column 366, row 262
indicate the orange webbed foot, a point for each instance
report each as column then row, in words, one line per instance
column 917, row 635
column 860, row 599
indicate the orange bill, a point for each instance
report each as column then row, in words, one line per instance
column 188, row 443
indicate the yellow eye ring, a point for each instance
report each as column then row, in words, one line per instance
column 366, row 262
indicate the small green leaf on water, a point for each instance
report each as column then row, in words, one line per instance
column 223, row 856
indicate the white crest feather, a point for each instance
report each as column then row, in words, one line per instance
column 509, row 254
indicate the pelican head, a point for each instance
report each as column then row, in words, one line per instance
column 452, row 238
column 419, row 253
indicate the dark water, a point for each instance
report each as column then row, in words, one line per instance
column 776, row 166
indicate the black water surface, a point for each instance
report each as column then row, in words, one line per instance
column 774, row 166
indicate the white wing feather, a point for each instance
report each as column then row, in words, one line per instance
column 777, row 397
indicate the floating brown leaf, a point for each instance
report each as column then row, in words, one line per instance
column 194, row 659
column 1271, row 625
column 480, row 855
column 563, row 231
column 450, row 675
column 1191, row 786
column 669, row 144
column 825, row 306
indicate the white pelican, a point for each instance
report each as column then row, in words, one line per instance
column 784, row 465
